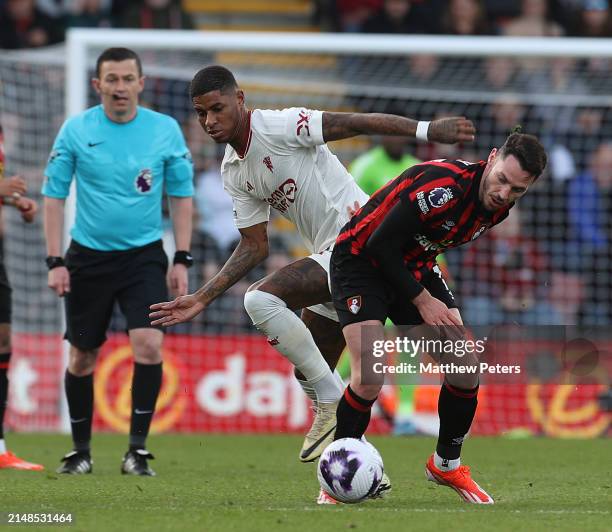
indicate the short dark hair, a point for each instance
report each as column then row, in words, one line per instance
column 118, row 54
column 528, row 150
column 212, row 78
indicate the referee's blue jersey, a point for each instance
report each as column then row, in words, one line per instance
column 121, row 172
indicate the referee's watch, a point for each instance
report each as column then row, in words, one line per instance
column 54, row 262
column 183, row 257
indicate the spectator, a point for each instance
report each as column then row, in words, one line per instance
column 399, row 16
column 156, row 14
column 556, row 79
column 344, row 15
column 590, row 218
column 595, row 19
column 88, row 13
column 23, row 25
column 507, row 279
column 500, row 73
column 465, row 17
column 534, row 21
column 386, row 160
column 217, row 233
column 502, row 115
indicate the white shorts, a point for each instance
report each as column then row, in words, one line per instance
column 326, row 310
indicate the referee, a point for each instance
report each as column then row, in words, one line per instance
column 123, row 158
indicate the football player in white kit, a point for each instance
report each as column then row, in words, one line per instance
column 281, row 159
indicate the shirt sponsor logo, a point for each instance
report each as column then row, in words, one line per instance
column 144, row 181
column 439, row 196
column 428, row 245
column 421, row 202
column 479, row 232
column 354, row 304
column 283, row 196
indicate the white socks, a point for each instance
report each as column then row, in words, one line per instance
column 2, row 446
column 288, row 335
column 446, row 465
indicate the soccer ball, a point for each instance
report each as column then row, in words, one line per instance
column 350, row 470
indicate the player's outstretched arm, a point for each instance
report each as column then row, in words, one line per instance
column 338, row 126
column 251, row 250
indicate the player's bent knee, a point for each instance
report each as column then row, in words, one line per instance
column 261, row 306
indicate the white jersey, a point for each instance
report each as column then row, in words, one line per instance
column 288, row 166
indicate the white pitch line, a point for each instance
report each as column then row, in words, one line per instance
column 443, row 510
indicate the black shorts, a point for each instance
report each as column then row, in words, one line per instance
column 135, row 278
column 361, row 293
column 5, row 296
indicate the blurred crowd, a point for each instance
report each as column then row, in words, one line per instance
column 30, row 23
column 582, row 18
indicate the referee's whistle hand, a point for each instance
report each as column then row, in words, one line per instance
column 58, row 280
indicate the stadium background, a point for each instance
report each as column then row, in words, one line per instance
column 550, row 265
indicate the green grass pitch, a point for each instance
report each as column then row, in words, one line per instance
column 255, row 483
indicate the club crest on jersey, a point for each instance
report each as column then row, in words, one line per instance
column 268, row 162
column 439, row 196
column 144, row 181
column 354, row 304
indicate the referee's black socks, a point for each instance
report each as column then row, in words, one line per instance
column 146, row 384
column 353, row 415
column 80, row 396
column 456, row 408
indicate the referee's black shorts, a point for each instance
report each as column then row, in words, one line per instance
column 135, row 278
column 361, row 293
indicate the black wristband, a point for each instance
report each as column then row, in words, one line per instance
column 54, row 262
column 183, row 257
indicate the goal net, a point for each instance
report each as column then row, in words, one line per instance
column 548, row 264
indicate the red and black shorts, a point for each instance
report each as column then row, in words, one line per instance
column 361, row 293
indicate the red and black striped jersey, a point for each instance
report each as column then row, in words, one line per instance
column 439, row 209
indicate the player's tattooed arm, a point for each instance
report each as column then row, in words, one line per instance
column 250, row 251
column 338, row 126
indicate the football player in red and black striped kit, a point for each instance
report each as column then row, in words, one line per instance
column 384, row 266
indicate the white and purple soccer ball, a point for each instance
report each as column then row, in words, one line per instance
column 350, row 470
